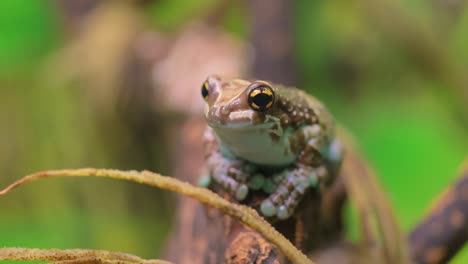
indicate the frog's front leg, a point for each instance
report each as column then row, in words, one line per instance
column 308, row 172
column 230, row 172
column 290, row 191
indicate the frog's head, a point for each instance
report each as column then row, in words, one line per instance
column 246, row 119
column 237, row 103
column 255, row 119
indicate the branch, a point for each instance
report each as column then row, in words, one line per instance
column 244, row 214
column 73, row 256
column 445, row 230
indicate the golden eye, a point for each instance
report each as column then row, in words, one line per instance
column 261, row 97
column 204, row 90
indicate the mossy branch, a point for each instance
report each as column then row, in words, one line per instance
column 73, row 256
column 244, row 214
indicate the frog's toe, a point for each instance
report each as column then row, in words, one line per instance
column 287, row 196
column 204, row 181
column 257, row 182
column 313, row 180
column 242, row 192
column 268, row 186
column 283, row 212
column 267, row 208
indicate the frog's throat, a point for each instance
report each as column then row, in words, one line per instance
column 265, row 144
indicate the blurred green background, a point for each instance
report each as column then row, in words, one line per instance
column 407, row 113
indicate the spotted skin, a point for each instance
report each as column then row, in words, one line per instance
column 445, row 230
column 277, row 133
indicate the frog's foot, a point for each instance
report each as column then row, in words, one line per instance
column 290, row 191
column 234, row 179
column 239, row 189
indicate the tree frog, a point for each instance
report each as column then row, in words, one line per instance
column 267, row 137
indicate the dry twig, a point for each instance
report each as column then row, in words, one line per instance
column 73, row 256
column 244, row 214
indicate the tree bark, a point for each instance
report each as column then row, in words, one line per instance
column 445, row 230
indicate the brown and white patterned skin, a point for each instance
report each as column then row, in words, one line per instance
column 289, row 147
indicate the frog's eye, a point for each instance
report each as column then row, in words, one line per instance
column 204, row 90
column 261, row 97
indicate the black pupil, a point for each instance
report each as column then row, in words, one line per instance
column 204, row 91
column 262, row 99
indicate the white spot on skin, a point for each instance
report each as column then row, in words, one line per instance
column 335, row 152
column 312, row 131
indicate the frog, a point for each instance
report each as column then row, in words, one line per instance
column 267, row 137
